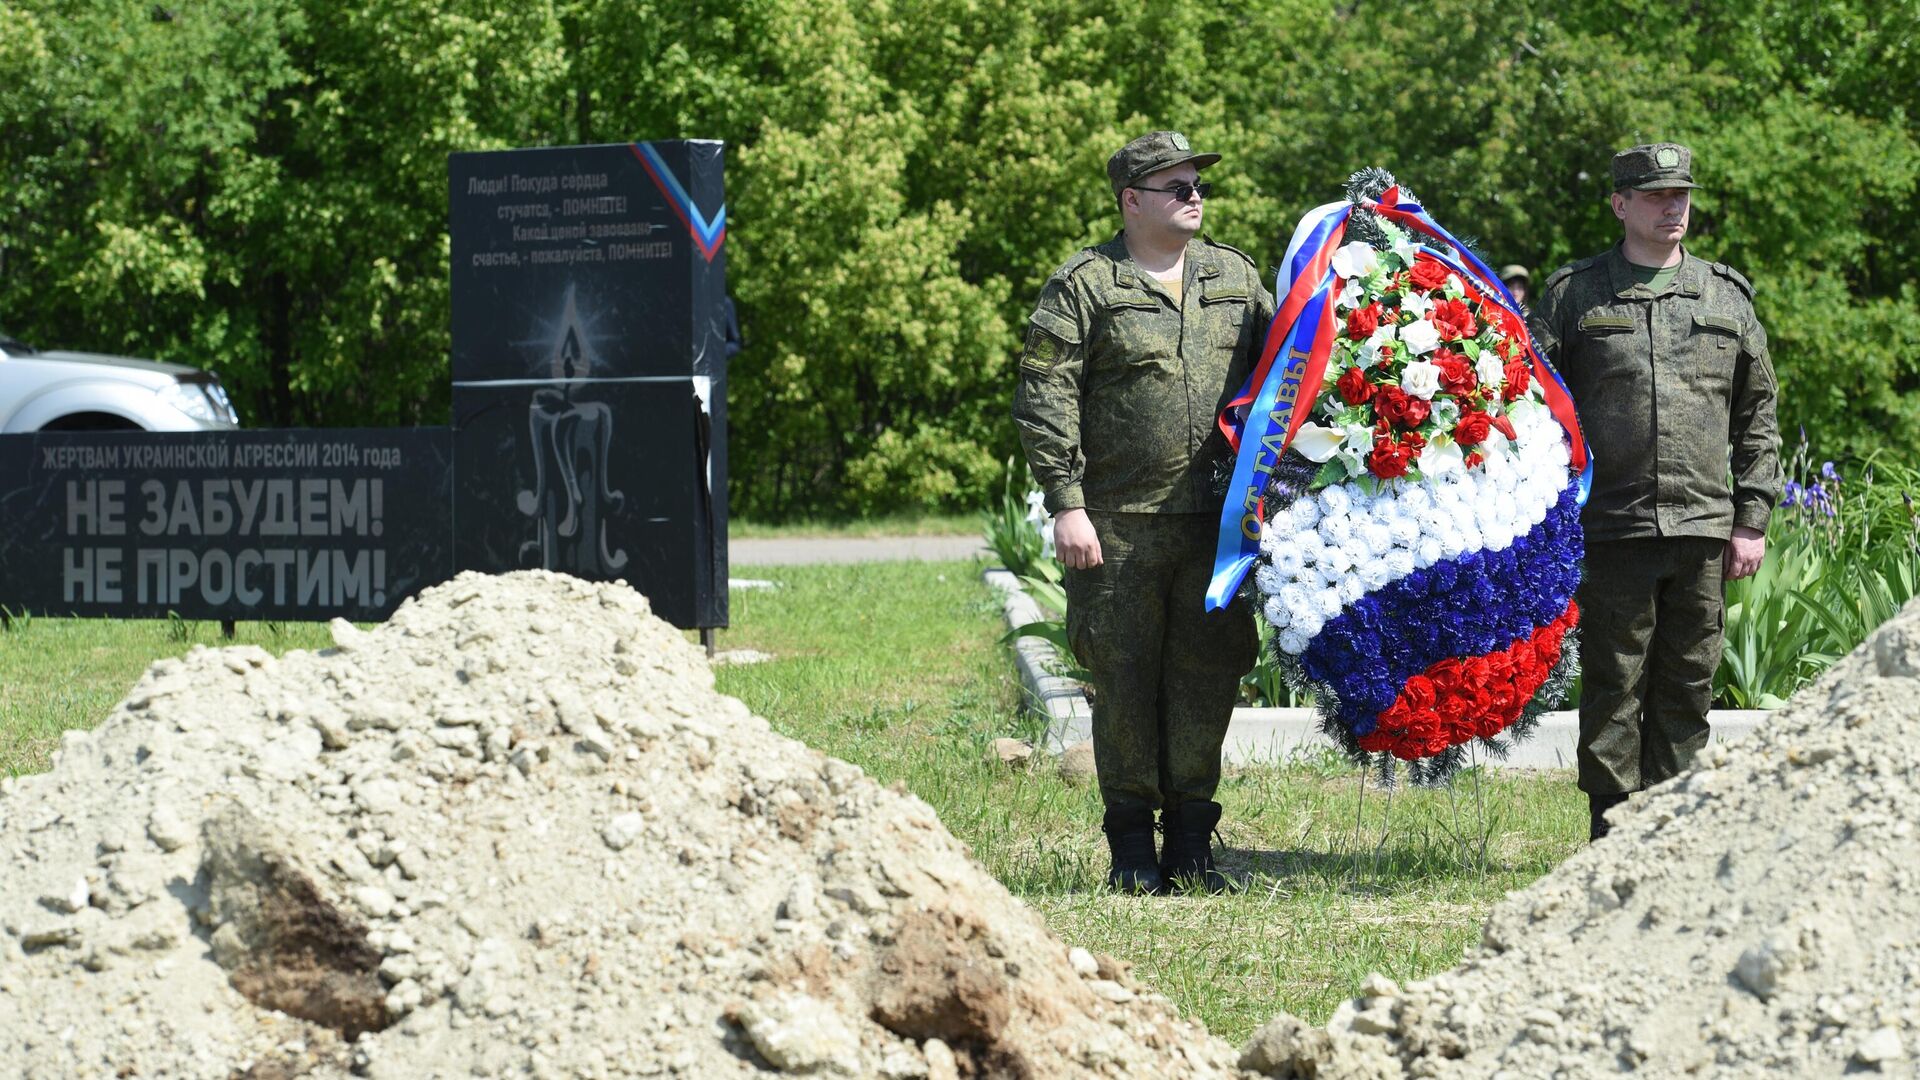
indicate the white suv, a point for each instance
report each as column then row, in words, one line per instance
column 72, row 391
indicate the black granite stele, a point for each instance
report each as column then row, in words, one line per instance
column 589, row 345
column 591, row 330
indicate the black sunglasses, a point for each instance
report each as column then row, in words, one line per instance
column 1181, row 192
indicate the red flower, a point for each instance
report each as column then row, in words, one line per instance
column 1454, row 320
column 1428, row 274
column 1472, row 429
column 1385, row 358
column 1354, row 387
column 1400, row 407
column 1504, row 426
column 1388, row 459
column 1515, row 373
column 1418, row 693
column 1474, row 460
column 1456, row 375
column 1362, row 322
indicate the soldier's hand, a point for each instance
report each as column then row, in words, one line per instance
column 1075, row 540
column 1743, row 554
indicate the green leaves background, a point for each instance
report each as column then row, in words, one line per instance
column 258, row 186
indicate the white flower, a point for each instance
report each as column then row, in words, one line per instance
column 1421, row 378
column 1405, row 531
column 1359, row 441
column 1308, row 621
column 1415, row 500
column 1337, row 562
column 1453, row 288
column 1355, row 260
column 1452, row 543
column 1294, row 596
column 1287, row 561
column 1400, row 562
column 1428, row 552
column 1317, row 442
column 1326, row 603
column 1268, row 580
column 1350, row 297
column 1333, row 529
column 1351, row 588
column 1276, row 613
column 1292, row 642
column 1489, row 370
column 1404, row 249
column 1356, row 550
column 1445, row 412
column 1305, row 513
column 1421, row 336
column 1386, row 332
column 1438, row 458
column 1378, row 572
column 1416, row 304
column 1378, row 537
column 1311, row 552
column 1334, row 500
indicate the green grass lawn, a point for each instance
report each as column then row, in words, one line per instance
column 57, row 674
column 898, row 668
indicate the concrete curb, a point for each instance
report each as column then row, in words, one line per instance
column 1069, row 718
column 1271, row 735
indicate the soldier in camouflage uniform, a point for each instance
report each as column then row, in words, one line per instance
column 1133, row 349
column 1669, row 369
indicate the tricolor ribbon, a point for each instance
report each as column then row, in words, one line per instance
column 1260, row 421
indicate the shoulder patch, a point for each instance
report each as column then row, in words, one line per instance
column 1569, row 270
column 1080, row 259
column 1728, row 272
column 1248, row 259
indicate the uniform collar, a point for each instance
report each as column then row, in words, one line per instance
column 1689, row 281
column 1201, row 262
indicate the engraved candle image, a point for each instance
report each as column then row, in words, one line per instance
column 571, row 495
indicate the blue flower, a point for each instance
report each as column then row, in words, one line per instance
column 1470, row 606
column 1827, row 472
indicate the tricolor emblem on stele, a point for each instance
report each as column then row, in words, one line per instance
column 1405, row 509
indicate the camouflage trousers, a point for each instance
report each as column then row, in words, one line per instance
column 1165, row 672
column 1651, row 619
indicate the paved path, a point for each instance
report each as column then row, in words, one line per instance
column 798, row 551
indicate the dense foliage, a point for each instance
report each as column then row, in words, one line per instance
column 259, row 185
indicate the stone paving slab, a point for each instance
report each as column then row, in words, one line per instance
column 1269, row 735
column 801, row 551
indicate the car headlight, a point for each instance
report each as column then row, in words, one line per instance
column 205, row 402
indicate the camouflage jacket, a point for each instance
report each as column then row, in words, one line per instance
column 1119, row 385
column 1670, row 387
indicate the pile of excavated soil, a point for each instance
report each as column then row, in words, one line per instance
column 1756, row 916
column 514, row 831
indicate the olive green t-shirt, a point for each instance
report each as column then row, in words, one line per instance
column 1656, row 278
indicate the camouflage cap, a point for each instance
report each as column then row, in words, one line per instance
column 1653, row 167
column 1515, row 270
column 1149, row 154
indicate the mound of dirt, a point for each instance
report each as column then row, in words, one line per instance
column 514, row 831
column 1756, row 916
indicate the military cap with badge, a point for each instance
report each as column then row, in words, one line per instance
column 1653, row 167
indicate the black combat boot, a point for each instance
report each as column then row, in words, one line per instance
column 1130, row 838
column 1597, row 807
column 1187, row 858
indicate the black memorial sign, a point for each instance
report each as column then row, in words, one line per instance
column 590, row 329
column 284, row 524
